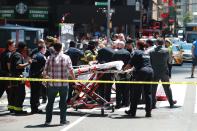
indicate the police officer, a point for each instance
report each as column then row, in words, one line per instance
column 17, row 66
column 122, row 90
column 36, row 69
column 74, row 53
column 5, row 60
column 142, row 72
column 41, row 42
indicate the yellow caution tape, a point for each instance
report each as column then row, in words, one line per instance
column 94, row 81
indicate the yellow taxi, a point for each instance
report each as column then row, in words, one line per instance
column 177, row 55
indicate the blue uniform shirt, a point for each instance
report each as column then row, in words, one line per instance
column 37, row 65
column 75, row 55
column 139, row 59
column 195, row 47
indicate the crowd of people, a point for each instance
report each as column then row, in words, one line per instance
column 147, row 61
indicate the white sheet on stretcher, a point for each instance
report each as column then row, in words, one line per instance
column 115, row 64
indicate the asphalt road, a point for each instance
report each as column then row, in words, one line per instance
column 182, row 118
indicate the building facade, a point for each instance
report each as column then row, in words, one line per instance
column 184, row 7
column 83, row 13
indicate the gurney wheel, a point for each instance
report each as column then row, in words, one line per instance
column 102, row 111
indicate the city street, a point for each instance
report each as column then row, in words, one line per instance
column 181, row 118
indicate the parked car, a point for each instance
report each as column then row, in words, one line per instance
column 177, row 55
column 180, row 42
column 174, row 40
column 187, row 53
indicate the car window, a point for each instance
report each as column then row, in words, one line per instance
column 175, row 48
column 186, row 47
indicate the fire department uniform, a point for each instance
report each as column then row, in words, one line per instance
column 18, row 87
column 5, row 57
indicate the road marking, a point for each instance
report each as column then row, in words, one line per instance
column 195, row 107
column 76, row 122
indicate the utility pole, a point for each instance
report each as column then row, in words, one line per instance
column 140, row 4
column 141, row 13
column 108, row 20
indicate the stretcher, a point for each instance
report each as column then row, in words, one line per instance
column 85, row 93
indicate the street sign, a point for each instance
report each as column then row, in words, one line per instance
column 100, row 3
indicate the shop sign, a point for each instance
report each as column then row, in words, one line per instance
column 21, row 8
column 22, row 12
column 38, row 13
column 7, row 13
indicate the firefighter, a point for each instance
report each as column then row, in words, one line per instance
column 5, row 85
column 17, row 66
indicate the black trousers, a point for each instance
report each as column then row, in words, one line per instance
column 5, row 86
column 143, row 74
column 36, row 87
column 17, row 93
column 70, row 91
column 167, row 89
column 104, row 89
column 2, row 88
column 43, row 92
column 122, row 94
column 170, row 69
